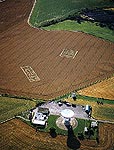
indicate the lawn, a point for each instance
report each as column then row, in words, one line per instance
column 9, row 107
column 60, row 9
column 87, row 27
column 79, row 129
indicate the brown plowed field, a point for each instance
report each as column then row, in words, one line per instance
column 22, row 45
column 104, row 89
column 17, row 135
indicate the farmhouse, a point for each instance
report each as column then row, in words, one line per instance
column 40, row 116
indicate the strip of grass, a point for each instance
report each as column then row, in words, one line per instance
column 86, row 27
column 88, row 98
column 9, row 107
column 53, row 9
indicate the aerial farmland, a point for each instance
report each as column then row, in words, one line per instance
column 57, row 55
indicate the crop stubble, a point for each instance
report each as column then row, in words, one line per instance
column 103, row 89
column 22, row 45
column 15, row 134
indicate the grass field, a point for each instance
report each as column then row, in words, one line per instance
column 9, row 107
column 86, row 27
column 99, row 112
column 56, row 9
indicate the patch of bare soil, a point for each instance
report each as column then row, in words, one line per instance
column 13, row 12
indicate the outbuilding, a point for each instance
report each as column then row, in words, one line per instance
column 40, row 116
column 44, row 111
column 87, row 109
column 94, row 124
column 73, row 96
column 85, row 129
column 39, row 122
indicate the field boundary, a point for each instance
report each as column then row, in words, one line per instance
column 31, row 14
column 7, row 120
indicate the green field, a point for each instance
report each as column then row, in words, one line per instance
column 9, row 107
column 105, row 112
column 86, row 27
column 60, row 9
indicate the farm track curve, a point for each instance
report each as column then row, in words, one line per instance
column 21, row 45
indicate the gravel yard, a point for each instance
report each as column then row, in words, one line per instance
column 55, row 109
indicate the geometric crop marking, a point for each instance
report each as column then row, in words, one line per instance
column 30, row 73
column 68, row 53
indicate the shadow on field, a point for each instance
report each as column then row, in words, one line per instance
column 53, row 132
column 72, row 141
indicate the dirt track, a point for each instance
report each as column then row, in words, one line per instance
column 22, row 45
column 17, row 135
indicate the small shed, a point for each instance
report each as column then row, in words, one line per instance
column 94, row 124
column 87, row 109
column 73, row 96
column 60, row 103
column 85, row 129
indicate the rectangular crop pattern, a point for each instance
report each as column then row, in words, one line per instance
column 30, row 73
column 68, row 53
